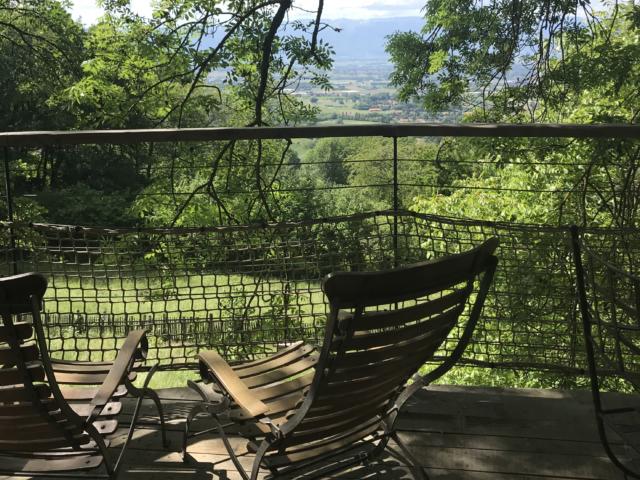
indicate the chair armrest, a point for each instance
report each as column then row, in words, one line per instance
column 119, row 370
column 232, row 384
column 213, row 402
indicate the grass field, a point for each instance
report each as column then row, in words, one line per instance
column 243, row 315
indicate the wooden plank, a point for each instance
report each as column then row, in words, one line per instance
column 44, row 138
column 497, row 461
column 505, row 443
column 457, row 433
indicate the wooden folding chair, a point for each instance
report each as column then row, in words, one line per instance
column 304, row 407
column 48, row 429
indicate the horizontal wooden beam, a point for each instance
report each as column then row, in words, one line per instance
column 94, row 137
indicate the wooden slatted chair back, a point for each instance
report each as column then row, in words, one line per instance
column 32, row 418
column 383, row 327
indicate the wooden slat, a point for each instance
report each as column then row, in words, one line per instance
column 362, row 386
column 353, row 289
column 386, row 319
column 22, row 330
column 60, row 463
column 43, row 443
column 301, row 436
column 318, row 449
column 29, row 354
column 412, row 358
column 279, row 353
column 371, row 356
column 284, row 357
column 83, row 393
column 21, row 394
column 85, row 378
column 282, row 373
column 275, row 391
column 281, row 405
column 85, row 367
column 341, row 396
column 27, row 412
column 319, row 415
column 14, row 376
column 353, row 365
column 433, row 329
column 39, row 431
column 84, row 409
column 230, row 381
column 59, row 361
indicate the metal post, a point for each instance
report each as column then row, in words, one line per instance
column 9, row 199
column 396, row 202
column 586, row 320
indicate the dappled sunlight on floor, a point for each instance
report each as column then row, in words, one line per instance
column 454, row 432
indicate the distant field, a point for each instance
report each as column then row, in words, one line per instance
column 167, row 294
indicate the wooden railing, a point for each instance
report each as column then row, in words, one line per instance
column 80, row 137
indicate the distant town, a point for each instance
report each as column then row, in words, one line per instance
column 361, row 93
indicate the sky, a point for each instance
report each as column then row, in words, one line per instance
column 353, row 9
column 333, row 9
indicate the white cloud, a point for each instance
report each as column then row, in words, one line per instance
column 333, row 9
column 88, row 11
column 363, row 9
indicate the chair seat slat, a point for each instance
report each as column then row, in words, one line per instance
column 425, row 329
column 275, row 356
column 15, row 376
column 22, row 331
column 329, row 446
column 282, row 389
column 29, row 354
column 85, row 378
column 59, row 463
column 287, row 371
column 43, row 443
column 399, row 317
column 275, row 363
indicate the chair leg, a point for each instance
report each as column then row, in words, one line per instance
column 233, row 455
column 132, row 427
column 195, row 411
column 203, row 408
column 147, row 392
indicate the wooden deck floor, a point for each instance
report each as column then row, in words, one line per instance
column 455, row 432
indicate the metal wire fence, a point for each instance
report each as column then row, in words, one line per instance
column 247, row 290
column 612, row 290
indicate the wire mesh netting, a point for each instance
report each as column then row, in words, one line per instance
column 247, row 290
column 612, row 287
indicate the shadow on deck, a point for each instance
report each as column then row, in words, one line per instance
column 462, row 433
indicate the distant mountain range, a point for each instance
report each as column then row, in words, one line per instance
column 366, row 39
